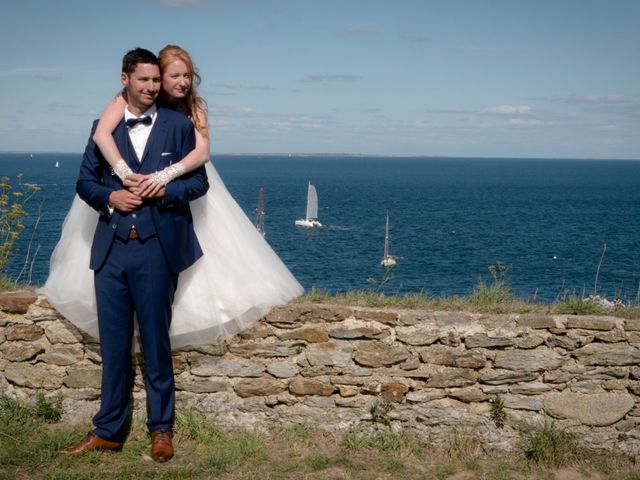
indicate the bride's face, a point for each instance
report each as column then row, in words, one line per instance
column 176, row 79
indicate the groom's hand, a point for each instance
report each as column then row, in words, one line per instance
column 124, row 200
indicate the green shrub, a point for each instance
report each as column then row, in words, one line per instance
column 551, row 446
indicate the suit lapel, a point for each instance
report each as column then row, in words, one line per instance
column 154, row 144
column 122, row 139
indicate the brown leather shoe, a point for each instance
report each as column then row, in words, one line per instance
column 92, row 442
column 161, row 445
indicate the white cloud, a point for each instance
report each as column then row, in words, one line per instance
column 596, row 99
column 525, row 122
column 508, row 109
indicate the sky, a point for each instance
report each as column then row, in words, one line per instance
column 465, row 78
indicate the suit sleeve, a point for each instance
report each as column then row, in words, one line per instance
column 191, row 185
column 90, row 186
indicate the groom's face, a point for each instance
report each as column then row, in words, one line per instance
column 142, row 86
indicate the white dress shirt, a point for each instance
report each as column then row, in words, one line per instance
column 139, row 133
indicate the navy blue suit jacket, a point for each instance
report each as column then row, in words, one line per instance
column 171, row 138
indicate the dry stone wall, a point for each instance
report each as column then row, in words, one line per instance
column 340, row 367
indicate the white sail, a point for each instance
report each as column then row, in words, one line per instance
column 387, row 260
column 312, row 203
column 310, row 220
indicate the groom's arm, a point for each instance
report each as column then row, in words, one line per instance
column 192, row 185
column 90, row 186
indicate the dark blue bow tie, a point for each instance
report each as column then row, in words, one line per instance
column 146, row 120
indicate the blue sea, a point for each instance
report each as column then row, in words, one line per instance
column 546, row 220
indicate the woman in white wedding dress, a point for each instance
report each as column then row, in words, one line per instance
column 237, row 280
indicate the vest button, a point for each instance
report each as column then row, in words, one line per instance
column 114, row 226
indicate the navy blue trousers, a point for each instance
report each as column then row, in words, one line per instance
column 135, row 277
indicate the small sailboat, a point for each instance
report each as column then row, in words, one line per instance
column 260, row 213
column 57, row 164
column 387, row 260
column 311, row 220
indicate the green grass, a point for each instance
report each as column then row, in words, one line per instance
column 549, row 445
column 29, row 449
column 494, row 297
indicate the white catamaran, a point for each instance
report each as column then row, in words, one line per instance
column 387, row 260
column 260, row 213
column 311, row 220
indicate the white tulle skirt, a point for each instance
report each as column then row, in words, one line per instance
column 238, row 279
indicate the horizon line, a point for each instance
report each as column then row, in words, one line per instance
column 344, row 154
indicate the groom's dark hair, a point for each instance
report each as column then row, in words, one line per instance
column 136, row 56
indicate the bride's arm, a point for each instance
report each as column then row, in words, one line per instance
column 196, row 158
column 109, row 120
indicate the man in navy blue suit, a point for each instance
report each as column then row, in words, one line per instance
column 140, row 246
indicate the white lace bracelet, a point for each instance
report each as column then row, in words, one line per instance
column 122, row 170
column 168, row 173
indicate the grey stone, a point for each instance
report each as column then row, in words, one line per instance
column 57, row 332
column 258, row 331
column 421, row 335
column 565, row 342
column 83, row 376
column 21, row 351
column 330, row 313
column 17, row 301
column 214, row 349
column 26, row 332
column 421, row 396
column 410, row 364
column 303, row 386
column 443, row 377
column 230, row 367
column 382, row 316
column 337, row 354
column 39, row 313
column 448, row 413
column 62, row 355
column 529, row 341
column 319, row 402
column 311, row 334
column 348, row 391
column 363, row 332
column 198, row 385
column 469, row 394
column 586, row 387
column 494, row 389
column 502, row 377
column 283, row 316
column 379, row 354
column 350, row 402
column 347, row 380
column 453, row 357
column 537, row 360
column 485, row 341
column 607, row 354
column 631, row 325
column 267, row 350
column 518, row 402
column 599, row 409
column 282, row 369
column 537, row 321
column 604, row 373
column 259, row 387
column 626, row 425
column 48, row 377
column 588, row 322
column 558, row 376
column 613, row 336
column 530, row 388
column 319, row 370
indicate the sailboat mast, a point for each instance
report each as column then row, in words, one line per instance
column 260, row 213
column 386, row 238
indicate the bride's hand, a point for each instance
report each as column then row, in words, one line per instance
column 148, row 187
column 133, row 180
